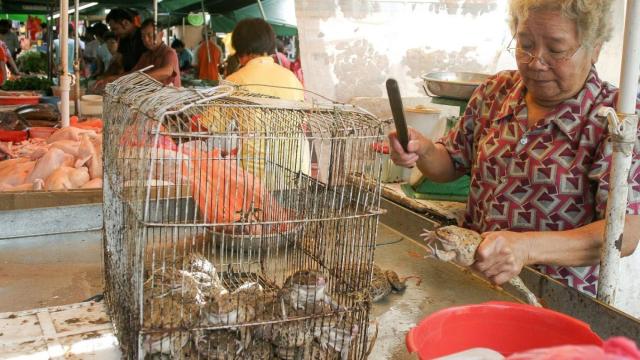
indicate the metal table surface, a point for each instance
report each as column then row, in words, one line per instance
column 443, row 285
column 605, row 320
column 395, row 314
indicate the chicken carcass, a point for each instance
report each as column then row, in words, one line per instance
column 52, row 160
column 69, row 146
column 70, row 133
column 93, row 184
column 14, row 172
column 87, row 155
column 5, row 148
column 66, row 178
column 36, row 185
column 33, row 148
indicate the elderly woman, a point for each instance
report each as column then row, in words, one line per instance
column 537, row 153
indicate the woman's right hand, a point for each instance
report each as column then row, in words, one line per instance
column 418, row 147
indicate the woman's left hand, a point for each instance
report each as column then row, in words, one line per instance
column 501, row 255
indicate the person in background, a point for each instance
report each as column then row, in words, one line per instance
column 123, row 23
column 538, row 153
column 71, row 50
column 185, row 58
column 9, row 37
column 102, row 54
column 254, row 41
column 44, row 34
column 33, row 27
column 207, row 66
column 114, row 65
column 90, row 50
column 5, row 62
column 163, row 58
column 280, row 55
column 8, row 64
column 231, row 65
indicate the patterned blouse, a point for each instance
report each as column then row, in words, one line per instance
column 551, row 177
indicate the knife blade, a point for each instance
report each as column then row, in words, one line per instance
column 398, row 113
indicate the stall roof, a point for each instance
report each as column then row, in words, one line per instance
column 182, row 6
column 225, row 12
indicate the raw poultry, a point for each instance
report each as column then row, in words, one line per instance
column 70, row 158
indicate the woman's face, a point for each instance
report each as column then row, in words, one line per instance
column 548, row 35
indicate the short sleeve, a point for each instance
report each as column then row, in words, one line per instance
column 171, row 59
column 599, row 174
column 459, row 140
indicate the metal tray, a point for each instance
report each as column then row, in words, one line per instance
column 456, row 85
column 253, row 242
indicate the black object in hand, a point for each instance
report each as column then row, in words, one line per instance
column 398, row 113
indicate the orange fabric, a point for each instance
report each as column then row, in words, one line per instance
column 208, row 70
column 33, row 27
column 3, row 62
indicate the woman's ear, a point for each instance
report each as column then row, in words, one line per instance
column 595, row 53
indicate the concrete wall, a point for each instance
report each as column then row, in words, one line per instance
column 349, row 47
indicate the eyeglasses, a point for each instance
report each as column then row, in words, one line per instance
column 551, row 59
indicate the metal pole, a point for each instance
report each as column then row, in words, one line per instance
column 65, row 78
column 206, row 33
column 155, row 19
column 264, row 17
column 623, row 135
column 50, row 56
column 168, row 38
column 76, row 62
column 155, row 11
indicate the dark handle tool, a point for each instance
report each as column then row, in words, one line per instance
column 398, row 113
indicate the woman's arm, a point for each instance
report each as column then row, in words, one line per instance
column 502, row 254
column 166, row 70
column 432, row 159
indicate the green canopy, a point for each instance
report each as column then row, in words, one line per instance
column 225, row 13
column 226, row 23
column 21, row 17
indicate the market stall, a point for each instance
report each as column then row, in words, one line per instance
column 156, row 206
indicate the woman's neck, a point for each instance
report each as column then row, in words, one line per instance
column 535, row 110
column 244, row 59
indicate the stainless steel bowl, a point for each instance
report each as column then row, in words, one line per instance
column 456, row 85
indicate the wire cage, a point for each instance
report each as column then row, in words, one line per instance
column 238, row 226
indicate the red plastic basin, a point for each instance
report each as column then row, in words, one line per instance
column 19, row 100
column 42, row 132
column 13, row 135
column 501, row 326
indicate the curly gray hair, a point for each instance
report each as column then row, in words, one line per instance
column 592, row 17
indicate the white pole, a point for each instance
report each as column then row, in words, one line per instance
column 264, row 15
column 76, row 62
column 64, row 79
column 155, row 12
column 623, row 133
column 155, row 20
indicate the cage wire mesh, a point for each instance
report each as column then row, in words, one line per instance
column 238, row 226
